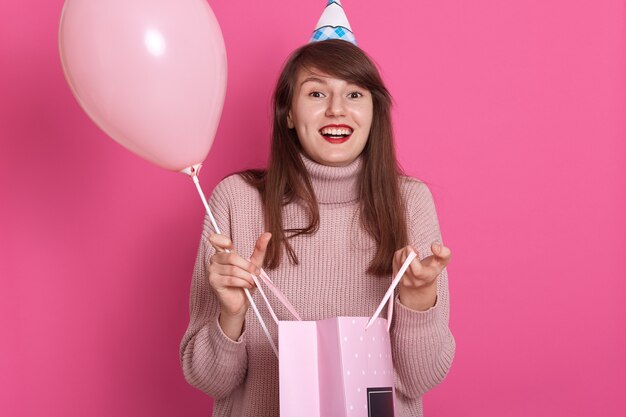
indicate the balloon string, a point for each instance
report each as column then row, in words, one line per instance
column 206, row 205
column 216, row 228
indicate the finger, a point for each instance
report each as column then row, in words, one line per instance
column 442, row 253
column 220, row 242
column 415, row 267
column 440, row 250
column 399, row 257
column 224, row 281
column 234, row 259
column 233, row 271
column 260, row 249
column 414, row 249
column 432, row 267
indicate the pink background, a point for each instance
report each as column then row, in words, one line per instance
column 513, row 112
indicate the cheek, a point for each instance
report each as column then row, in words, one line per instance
column 363, row 116
column 367, row 126
column 305, row 128
column 366, row 123
column 301, row 116
column 310, row 121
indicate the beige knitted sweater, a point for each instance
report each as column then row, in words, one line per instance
column 331, row 280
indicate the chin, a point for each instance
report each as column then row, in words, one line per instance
column 332, row 157
column 338, row 161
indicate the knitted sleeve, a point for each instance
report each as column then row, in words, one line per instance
column 422, row 345
column 210, row 360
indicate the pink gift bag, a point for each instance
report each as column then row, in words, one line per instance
column 337, row 367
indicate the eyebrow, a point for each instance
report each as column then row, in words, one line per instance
column 319, row 80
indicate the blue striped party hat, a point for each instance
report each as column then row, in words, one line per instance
column 333, row 24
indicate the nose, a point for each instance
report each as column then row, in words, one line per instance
column 335, row 106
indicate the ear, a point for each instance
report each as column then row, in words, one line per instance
column 289, row 121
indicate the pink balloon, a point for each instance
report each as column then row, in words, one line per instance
column 150, row 73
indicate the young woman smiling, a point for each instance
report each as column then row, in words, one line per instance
column 331, row 219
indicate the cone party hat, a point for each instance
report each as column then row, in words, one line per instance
column 333, row 24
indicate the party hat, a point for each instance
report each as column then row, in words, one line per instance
column 333, row 24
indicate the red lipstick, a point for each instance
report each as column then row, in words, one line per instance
column 339, row 139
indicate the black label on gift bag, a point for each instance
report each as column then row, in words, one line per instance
column 380, row 402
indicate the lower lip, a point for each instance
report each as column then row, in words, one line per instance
column 338, row 140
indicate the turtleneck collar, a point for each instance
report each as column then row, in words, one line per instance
column 334, row 184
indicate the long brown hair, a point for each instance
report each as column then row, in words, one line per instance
column 286, row 178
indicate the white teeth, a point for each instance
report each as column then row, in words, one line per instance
column 335, row 131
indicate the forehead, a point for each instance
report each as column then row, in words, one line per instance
column 311, row 76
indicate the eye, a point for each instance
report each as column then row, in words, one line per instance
column 313, row 94
column 354, row 94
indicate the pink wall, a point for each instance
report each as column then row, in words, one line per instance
column 512, row 111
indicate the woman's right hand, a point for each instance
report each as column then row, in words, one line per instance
column 229, row 274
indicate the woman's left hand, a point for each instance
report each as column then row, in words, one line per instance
column 418, row 289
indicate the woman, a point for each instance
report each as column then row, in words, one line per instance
column 339, row 220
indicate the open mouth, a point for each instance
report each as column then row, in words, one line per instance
column 336, row 135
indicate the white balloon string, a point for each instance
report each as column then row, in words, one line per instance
column 206, row 205
column 216, row 228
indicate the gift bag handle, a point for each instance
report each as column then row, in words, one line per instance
column 281, row 297
column 277, row 292
column 392, row 287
